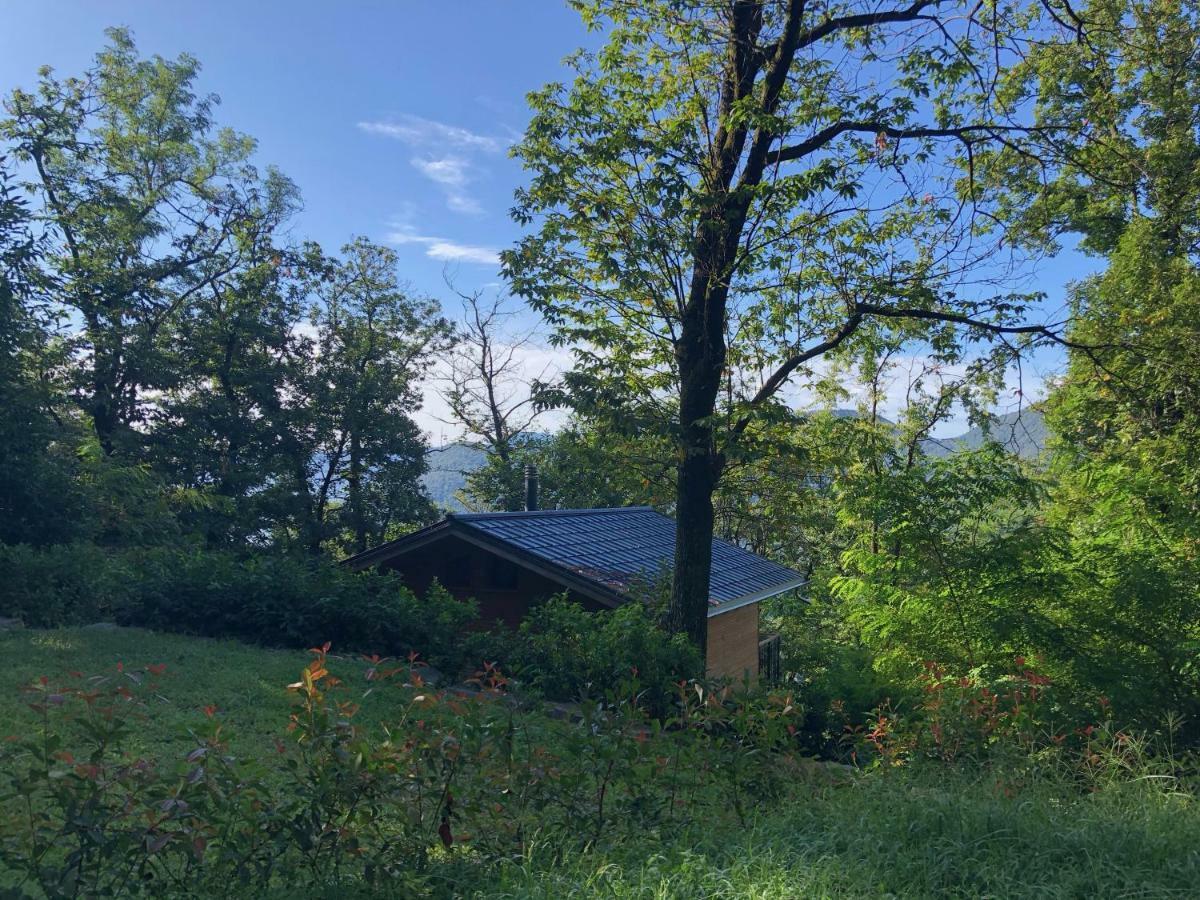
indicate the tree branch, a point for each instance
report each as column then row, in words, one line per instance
column 772, row 385
column 826, row 135
column 865, row 20
column 1047, row 331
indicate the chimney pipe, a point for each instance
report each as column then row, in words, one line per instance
column 531, row 488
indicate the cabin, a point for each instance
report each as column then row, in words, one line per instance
column 601, row 558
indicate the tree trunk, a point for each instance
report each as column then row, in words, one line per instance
column 693, row 544
column 357, row 513
column 701, row 357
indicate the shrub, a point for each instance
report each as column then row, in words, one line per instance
column 567, row 652
column 282, row 601
column 338, row 804
column 271, row 599
column 68, row 584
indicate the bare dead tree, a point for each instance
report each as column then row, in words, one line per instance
column 488, row 388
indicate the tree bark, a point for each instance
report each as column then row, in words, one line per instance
column 355, row 498
column 695, row 484
column 701, row 358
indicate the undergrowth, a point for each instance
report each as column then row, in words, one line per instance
column 379, row 785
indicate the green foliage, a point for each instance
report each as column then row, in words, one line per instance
column 1126, row 489
column 578, row 468
column 424, row 793
column 568, row 652
column 70, row 584
column 158, row 330
column 950, row 561
column 146, row 203
column 360, row 451
column 275, row 600
column 383, row 808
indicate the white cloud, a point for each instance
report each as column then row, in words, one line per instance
column 445, row 249
column 453, row 174
column 446, row 151
column 452, row 252
column 418, row 132
column 450, row 171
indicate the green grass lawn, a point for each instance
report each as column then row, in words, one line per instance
column 247, row 685
column 903, row 834
column 915, row 832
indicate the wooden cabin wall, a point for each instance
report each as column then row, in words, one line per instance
column 504, row 590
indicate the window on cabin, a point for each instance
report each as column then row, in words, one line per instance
column 501, row 574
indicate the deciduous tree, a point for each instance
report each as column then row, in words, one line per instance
column 732, row 189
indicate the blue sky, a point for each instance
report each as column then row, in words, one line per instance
column 393, row 118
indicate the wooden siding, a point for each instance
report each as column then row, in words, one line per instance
column 733, row 643
column 503, row 590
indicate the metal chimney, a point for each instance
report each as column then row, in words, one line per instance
column 531, row 488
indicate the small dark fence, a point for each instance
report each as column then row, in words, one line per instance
column 770, row 665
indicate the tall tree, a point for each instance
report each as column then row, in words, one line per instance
column 731, row 189
column 147, row 205
column 235, row 357
column 1124, row 416
column 356, row 455
column 38, row 500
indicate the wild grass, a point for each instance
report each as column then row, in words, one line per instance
column 914, row 833
column 244, row 683
column 927, row 829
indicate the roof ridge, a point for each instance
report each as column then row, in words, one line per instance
column 527, row 513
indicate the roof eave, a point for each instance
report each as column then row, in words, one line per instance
column 403, row 544
column 463, row 530
column 757, row 596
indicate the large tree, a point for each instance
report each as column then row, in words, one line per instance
column 236, row 356
column 146, row 204
column 731, row 189
column 1125, row 414
column 353, row 450
column 38, row 503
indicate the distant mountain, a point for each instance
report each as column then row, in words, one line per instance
column 447, row 475
column 1023, row 433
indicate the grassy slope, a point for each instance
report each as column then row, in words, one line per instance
column 904, row 835
column 246, row 684
column 909, row 834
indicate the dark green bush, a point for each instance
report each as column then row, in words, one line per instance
column 71, row 584
column 266, row 599
column 294, row 603
column 567, row 652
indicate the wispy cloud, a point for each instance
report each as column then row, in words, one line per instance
column 453, row 174
column 446, row 152
column 418, row 132
column 445, row 249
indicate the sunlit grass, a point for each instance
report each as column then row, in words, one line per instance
column 247, row 685
column 900, row 834
column 936, row 831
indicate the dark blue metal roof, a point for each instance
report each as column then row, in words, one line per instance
column 620, row 548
